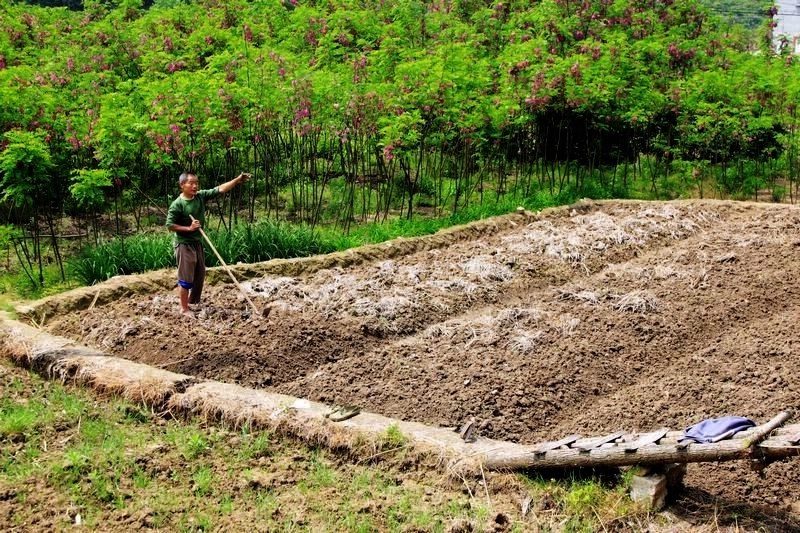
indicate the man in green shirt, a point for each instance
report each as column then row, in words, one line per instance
column 187, row 240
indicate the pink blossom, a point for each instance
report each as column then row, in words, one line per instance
column 301, row 113
column 28, row 19
column 537, row 102
column 70, row 64
column 168, row 46
column 311, row 38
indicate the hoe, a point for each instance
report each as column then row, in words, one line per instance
column 256, row 312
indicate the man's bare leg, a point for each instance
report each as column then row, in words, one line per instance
column 183, row 294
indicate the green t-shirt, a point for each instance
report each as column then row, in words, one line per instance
column 181, row 208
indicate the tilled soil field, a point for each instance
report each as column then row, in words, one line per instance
column 601, row 317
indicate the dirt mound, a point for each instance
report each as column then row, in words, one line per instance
column 611, row 316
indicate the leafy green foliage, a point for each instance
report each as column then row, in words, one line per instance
column 87, row 187
column 24, row 164
column 348, row 113
column 398, row 90
column 7, row 234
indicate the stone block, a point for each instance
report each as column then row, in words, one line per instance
column 650, row 489
column 652, row 486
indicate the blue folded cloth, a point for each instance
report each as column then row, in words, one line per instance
column 717, row 429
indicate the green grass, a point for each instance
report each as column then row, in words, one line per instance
column 394, row 438
column 138, row 253
column 15, row 285
column 20, row 421
column 203, row 481
column 254, row 445
column 63, row 451
column 246, row 243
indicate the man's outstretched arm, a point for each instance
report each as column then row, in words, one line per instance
column 228, row 185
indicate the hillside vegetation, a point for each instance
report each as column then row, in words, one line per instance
column 352, row 111
column 749, row 13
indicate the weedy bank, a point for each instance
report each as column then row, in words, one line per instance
column 68, row 457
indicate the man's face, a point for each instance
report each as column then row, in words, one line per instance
column 190, row 187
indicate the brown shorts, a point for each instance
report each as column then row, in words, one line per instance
column 191, row 265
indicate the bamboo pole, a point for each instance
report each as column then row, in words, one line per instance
column 227, row 269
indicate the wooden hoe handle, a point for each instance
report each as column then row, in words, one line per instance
column 227, row 269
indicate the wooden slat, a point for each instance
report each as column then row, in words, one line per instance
column 793, row 439
column 549, row 446
column 779, row 444
column 646, row 439
column 596, row 443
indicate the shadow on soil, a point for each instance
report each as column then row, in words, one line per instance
column 698, row 506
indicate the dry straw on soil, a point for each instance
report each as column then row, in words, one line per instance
column 66, row 361
column 123, row 286
column 367, row 437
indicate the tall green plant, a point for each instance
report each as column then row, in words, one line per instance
column 26, row 182
column 87, row 190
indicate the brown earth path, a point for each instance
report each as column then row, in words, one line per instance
column 607, row 316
